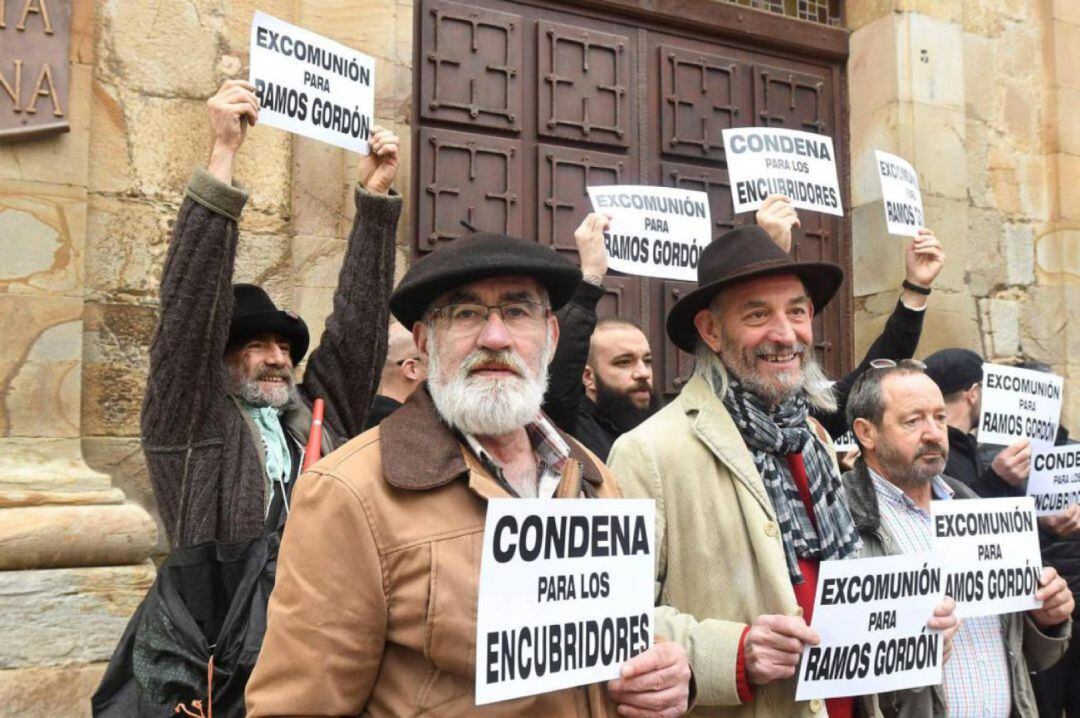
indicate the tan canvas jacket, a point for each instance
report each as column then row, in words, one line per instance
column 720, row 560
column 374, row 611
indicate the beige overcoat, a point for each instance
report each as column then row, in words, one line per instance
column 720, row 559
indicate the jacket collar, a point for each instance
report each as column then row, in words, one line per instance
column 862, row 498
column 713, row 425
column 420, row 452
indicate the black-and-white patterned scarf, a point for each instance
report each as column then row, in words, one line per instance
column 771, row 436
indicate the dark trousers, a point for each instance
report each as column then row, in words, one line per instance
column 1057, row 689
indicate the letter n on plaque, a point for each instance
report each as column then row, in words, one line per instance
column 35, row 70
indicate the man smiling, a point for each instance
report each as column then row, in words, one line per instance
column 749, row 498
column 224, row 423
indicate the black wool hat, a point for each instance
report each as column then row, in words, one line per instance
column 954, row 369
column 736, row 256
column 254, row 312
column 480, row 256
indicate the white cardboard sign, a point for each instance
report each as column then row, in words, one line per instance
column 1019, row 403
column 311, row 85
column 871, row 614
column 654, row 231
column 900, row 193
column 845, row 442
column 989, row 549
column 566, row 593
column 1054, row 483
column 766, row 160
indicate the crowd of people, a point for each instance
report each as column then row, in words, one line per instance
column 486, row 373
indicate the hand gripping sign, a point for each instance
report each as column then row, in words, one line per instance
column 900, row 193
column 654, row 231
column 311, row 85
column 1019, row 403
column 989, row 550
column 1054, row 483
column 871, row 614
column 766, row 160
column 566, row 593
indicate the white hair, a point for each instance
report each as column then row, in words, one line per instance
column 488, row 406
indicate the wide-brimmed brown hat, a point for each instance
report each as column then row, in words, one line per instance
column 479, row 256
column 736, row 256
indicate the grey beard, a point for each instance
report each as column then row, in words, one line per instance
column 247, row 390
column 814, row 384
column 909, row 474
column 485, row 406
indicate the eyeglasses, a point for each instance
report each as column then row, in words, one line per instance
column 401, row 362
column 903, row 363
column 519, row 317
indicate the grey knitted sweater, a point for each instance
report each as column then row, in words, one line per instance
column 204, row 455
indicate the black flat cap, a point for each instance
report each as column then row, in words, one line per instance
column 954, row 369
column 476, row 257
column 740, row 255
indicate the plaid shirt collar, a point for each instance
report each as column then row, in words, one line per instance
column 551, row 452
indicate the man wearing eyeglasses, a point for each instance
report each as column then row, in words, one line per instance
column 374, row 610
column 403, row 371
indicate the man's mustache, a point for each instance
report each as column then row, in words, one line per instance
column 483, row 359
column 268, row 374
column 931, row 447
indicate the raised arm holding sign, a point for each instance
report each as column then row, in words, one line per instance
column 311, row 85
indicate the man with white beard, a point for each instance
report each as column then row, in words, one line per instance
column 374, row 610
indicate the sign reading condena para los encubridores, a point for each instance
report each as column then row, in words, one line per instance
column 566, row 593
column 311, row 85
column 1054, row 482
column 766, row 160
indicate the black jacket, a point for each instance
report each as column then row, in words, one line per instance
column 381, row 407
column 966, row 465
column 898, row 340
column 565, row 401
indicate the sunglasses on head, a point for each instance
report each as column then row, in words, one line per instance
column 903, row 363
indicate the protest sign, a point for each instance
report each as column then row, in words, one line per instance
column 871, row 614
column 989, row 549
column 654, row 231
column 566, row 593
column 1019, row 403
column 1054, row 483
column 311, row 85
column 900, row 193
column 765, row 160
column 845, row 442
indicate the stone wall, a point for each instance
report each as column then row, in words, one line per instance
column 155, row 65
column 981, row 96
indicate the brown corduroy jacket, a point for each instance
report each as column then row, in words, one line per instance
column 374, row 610
column 204, row 456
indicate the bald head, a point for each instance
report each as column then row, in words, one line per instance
column 403, row 370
